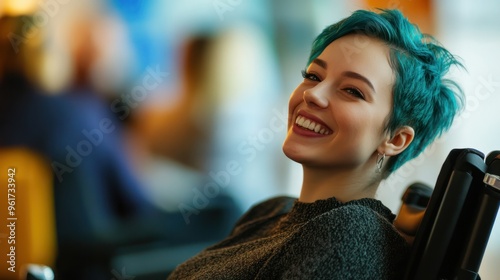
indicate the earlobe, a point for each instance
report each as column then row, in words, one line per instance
column 399, row 141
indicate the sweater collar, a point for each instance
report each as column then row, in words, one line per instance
column 304, row 211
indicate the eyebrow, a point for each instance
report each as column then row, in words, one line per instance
column 320, row 62
column 349, row 74
column 358, row 76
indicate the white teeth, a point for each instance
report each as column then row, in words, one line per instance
column 300, row 121
column 311, row 125
column 306, row 123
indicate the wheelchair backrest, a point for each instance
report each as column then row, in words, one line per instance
column 454, row 231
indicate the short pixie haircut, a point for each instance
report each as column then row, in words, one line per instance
column 422, row 98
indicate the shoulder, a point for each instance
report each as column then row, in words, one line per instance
column 354, row 216
column 267, row 209
column 355, row 228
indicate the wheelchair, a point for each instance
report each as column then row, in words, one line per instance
column 453, row 224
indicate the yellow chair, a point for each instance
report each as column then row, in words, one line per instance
column 27, row 217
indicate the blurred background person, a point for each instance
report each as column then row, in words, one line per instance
column 176, row 133
column 101, row 205
column 181, row 128
column 96, row 192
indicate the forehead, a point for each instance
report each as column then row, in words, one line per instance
column 362, row 54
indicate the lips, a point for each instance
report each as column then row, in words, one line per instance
column 312, row 123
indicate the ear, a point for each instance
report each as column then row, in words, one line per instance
column 398, row 142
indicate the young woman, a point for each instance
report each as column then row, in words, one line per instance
column 372, row 98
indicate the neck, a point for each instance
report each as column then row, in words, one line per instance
column 344, row 185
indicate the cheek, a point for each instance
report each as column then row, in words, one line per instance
column 356, row 125
column 356, row 137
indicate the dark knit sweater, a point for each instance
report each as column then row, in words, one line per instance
column 283, row 238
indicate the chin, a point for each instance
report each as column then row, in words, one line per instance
column 289, row 152
column 294, row 153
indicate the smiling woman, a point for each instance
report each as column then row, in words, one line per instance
column 351, row 96
column 372, row 98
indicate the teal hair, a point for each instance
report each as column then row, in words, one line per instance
column 422, row 98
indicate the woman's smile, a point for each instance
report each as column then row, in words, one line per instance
column 309, row 125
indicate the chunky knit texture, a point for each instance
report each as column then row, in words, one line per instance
column 283, row 238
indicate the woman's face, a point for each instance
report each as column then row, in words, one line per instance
column 337, row 115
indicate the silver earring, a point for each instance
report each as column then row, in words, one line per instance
column 380, row 162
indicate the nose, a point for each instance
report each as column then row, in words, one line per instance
column 316, row 97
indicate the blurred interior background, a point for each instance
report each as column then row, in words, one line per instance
column 181, row 107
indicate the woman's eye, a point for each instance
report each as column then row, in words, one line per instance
column 354, row 92
column 310, row 76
